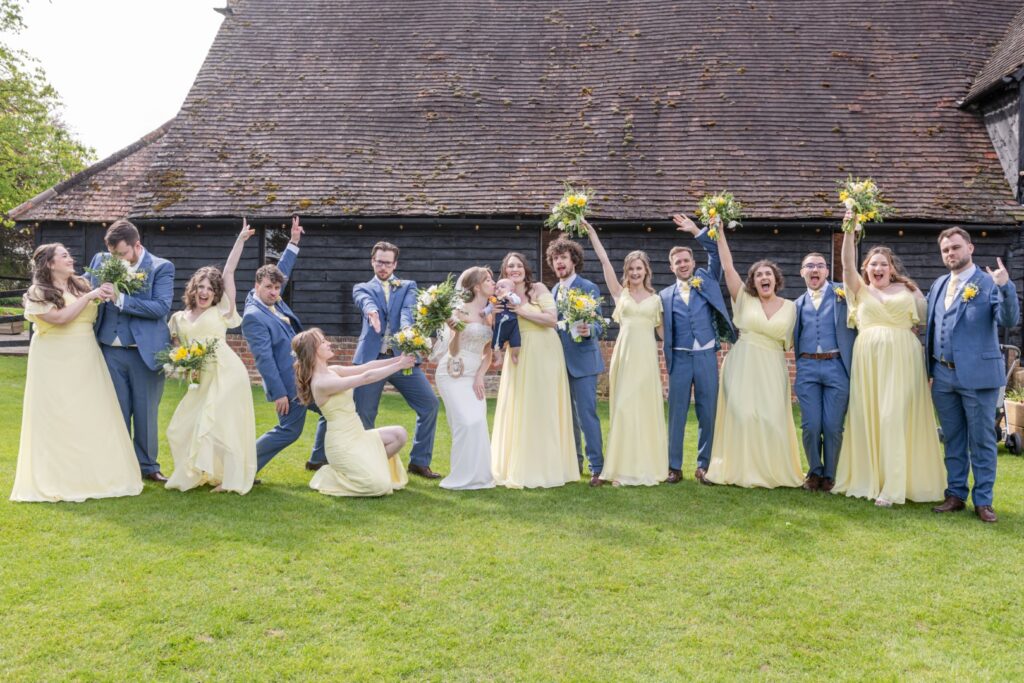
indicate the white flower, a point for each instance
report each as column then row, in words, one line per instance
column 168, row 369
column 562, row 325
column 561, row 225
column 850, row 203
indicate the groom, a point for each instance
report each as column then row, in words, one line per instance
column 583, row 358
column 268, row 326
column 966, row 366
column 131, row 329
column 386, row 304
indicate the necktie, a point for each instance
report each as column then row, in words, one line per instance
column 387, row 291
column 954, row 282
column 684, row 292
column 280, row 315
column 816, row 298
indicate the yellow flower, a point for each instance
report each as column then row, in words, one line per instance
column 871, row 214
column 139, row 276
column 861, row 217
column 844, row 195
column 696, row 282
column 713, row 233
column 179, row 353
column 418, row 340
column 423, row 310
column 720, row 201
column 712, row 211
column 970, row 291
column 840, row 292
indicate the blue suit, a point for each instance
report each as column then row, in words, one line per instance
column 823, row 385
column 394, row 312
column 965, row 396
column 584, row 363
column 704, row 319
column 270, row 340
column 140, row 325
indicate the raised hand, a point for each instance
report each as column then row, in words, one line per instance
column 374, row 319
column 684, row 224
column 297, row 231
column 405, row 361
column 247, row 232
column 107, row 291
column 1000, row 275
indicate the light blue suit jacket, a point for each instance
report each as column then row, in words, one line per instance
column 844, row 334
column 270, row 338
column 397, row 310
column 582, row 358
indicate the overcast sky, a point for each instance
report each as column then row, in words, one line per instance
column 122, row 67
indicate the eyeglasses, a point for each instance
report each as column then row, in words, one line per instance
column 815, row 266
column 383, row 264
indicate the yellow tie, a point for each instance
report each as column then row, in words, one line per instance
column 816, row 298
column 954, row 282
column 684, row 292
column 387, row 291
column 282, row 316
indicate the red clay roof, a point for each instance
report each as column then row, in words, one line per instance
column 1007, row 58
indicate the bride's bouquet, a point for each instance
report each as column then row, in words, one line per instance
column 576, row 306
column 186, row 362
column 412, row 341
column 436, row 305
column 118, row 273
column 716, row 210
column 568, row 213
column 863, row 200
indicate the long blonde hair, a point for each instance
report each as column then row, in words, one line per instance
column 304, row 346
column 637, row 255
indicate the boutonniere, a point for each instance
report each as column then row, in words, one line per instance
column 394, row 282
column 696, row 282
column 970, row 291
column 840, row 292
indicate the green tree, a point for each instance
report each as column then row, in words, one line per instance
column 36, row 149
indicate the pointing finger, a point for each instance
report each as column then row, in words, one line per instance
column 999, row 262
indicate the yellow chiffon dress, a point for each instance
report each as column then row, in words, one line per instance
column 891, row 448
column 74, row 443
column 755, row 440
column 637, row 436
column 532, row 444
column 212, row 433
column 357, row 464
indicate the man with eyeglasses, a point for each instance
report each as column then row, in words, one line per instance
column 823, row 346
column 386, row 304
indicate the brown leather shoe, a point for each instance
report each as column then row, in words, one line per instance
column 596, row 481
column 700, row 474
column 674, row 477
column 812, row 483
column 155, row 476
column 424, row 472
column 951, row 504
column 314, row 466
column 827, row 485
column 985, row 513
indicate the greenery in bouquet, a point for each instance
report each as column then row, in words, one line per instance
column 569, row 212
column 716, row 210
column 863, row 200
column 576, row 306
column 118, row 273
column 186, row 362
column 413, row 341
column 435, row 305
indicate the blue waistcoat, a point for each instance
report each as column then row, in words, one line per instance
column 942, row 343
column 691, row 321
column 818, row 327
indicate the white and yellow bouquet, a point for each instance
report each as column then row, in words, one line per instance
column 576, row 306
column 568, row 213
column 186, row 362
column 435, row 305
column 863, row 200
column 118, row 273
column 412, row 341
column 716, row 210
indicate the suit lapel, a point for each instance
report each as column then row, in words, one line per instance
column 962, row 305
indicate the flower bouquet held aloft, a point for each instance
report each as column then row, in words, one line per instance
column 716, row 210
column 412, row 341
column 576, row 306
column 186, row 362
column 118, row 273
column 435, row 305
column 568, row 214
column 863, row 202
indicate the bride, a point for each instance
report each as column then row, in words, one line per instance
column 463, row 358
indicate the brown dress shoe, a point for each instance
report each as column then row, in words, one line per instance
column 424, row 472
column 812, row 483
column 827, row 485
column 951, row 504
column 674, row 477
column 985, row 513
column 314, row 466
column 700, row 474
column 155, row 476
column 596, row 481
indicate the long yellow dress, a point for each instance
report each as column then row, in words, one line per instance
column 890, row 448
column 532, row 444
column 755, row 440
column 637, row 437
column 357, row 464
column 74, row 443
column 212, row 433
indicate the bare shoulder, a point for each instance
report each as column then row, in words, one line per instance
column 538, row 289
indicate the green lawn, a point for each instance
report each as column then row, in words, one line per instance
column 672, row 582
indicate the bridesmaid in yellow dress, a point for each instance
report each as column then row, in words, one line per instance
column 637, row 438
column 212, row 432
column 755, row 440
column 891, row 451
column 532, row 444
column 360, row 462
column 74, row 444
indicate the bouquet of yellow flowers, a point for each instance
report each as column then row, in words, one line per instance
column 116, row 271
column 567, row 215
column 413, row 341
column 186, row 362
column 716, row 210
column 576, row 306
column 435, row 305
column 863, row 200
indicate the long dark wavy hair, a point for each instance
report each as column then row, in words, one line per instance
column 216, row 278
column 43, row 290
column 528, row 280
column 304, row 346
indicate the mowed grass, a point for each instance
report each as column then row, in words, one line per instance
column 665, row 583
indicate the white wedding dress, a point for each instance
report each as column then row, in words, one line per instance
column 467, row 415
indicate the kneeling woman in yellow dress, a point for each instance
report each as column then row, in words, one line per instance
column 891, row 450
column 361, row 462
column 74, row 444
column 755, row 440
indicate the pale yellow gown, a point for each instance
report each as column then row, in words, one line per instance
column 532, row 443
column 74, row 443
column 637, row 436
column 755, row 440
column 357, row 464
column 891, row 449
column 212, row 433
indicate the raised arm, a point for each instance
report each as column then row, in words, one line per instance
column 850, row 279
column 232, row 263
column 733, row 281
column 328, row 385
column 614, row 286
column 684, row 224
column 354, row 370
column 1004, row 295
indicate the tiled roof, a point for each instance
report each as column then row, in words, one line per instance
column 1007, row 58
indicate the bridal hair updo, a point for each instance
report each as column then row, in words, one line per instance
column 304, row 346
column 898, row 273
column 216, row 278
column 43, row 291
column 750, row 288
column 470, row 279
column 528, row 280
column 641, row 256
